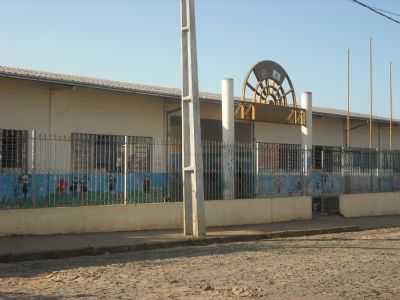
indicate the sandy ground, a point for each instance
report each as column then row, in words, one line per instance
column 362, row 265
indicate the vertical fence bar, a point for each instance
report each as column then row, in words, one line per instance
column 33, row 165
column 257, row 168
column 125, row 170
column 157, row 173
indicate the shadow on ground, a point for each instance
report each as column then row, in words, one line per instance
column 24, row 296
column 34, row 268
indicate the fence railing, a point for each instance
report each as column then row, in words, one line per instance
column 39, row 170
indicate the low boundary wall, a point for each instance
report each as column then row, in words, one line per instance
column 369, row 204
column 61, row 220
column 257, row 211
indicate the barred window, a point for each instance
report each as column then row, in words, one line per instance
column 290, row 157
column 13, row 149
column 364, row 160
column 140, row 152
column 279, row 157
column 396, row 161
column 317, row 158
column 327, row 158
column 106, row 152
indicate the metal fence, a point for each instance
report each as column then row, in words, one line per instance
column 40, row 170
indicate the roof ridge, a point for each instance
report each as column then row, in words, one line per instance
column 75, row 76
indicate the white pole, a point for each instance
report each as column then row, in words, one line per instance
column 306, row 131
column 192, row 158
column 228, row 138
column 186, row 180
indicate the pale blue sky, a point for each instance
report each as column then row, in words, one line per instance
column 139, row 41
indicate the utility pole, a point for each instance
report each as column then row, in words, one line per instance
column 192, row 157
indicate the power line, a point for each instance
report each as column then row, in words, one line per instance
column 377, row 11
column 387, row 12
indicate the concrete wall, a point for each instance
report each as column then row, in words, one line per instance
column 257, row 211
column 329, row 131
column 277, row 133
column 149, row 216
column 91, row 219
column 369, row 204
column 24, row 105
column 332, row 126
column 62, row 110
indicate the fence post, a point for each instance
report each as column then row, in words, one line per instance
column 257, row 168
column 126, row 170
column 343, row 170
column 378, row 172
column 306, row 138
column 228, row 139
column 391, row 170
column 33, row 165
column 342, row 163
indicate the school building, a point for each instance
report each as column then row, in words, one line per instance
column 90, row 120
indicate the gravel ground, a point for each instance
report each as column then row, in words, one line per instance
column 361, row 265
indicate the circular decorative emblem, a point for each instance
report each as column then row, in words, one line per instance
column 268, row 83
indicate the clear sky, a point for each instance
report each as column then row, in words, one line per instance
column 139, row 41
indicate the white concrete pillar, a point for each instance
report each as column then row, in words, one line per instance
column 192, row 157
column 228, row 139
column 306, row 131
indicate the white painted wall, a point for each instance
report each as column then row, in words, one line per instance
column 23, row 105
column 277, row 133
column 327, row 131
column 26, row 104
column 111, row 218
column 257, row 211
column 369, row 204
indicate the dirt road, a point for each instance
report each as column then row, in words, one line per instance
column 362, row 265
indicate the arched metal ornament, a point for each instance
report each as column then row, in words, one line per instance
column 268, row 96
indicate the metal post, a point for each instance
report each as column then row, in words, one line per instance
column 228, row 138
column 348, row 99
column 391, row 107
column 343, row 167
column 126, row 170
column 33, row 165
column 371, row 89
column 391, row 124
column 192, row 160
column 257, row 169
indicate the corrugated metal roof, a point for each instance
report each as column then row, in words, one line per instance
column 97, row 83
column 134, row 88
column 323, row 111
